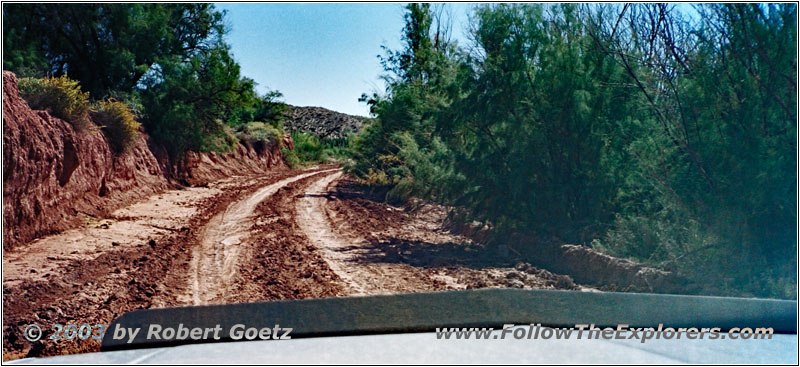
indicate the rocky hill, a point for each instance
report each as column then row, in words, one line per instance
column 321, row 122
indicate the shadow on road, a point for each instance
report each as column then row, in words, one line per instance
column 425, row 254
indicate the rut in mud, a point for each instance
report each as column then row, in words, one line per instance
column 281, row 235
column 340, row 251
column 376, row 248
column 215, row 260
column 140, row 257
column 126, row 228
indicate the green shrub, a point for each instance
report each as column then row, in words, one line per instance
column 338, row 149
column 308, row 148
column 61, row 96
column 669, row 240
column 256, row 131
column 220, row 140
column 290, row 157
column 133, row 100
column 118, row 123
column 663, row 240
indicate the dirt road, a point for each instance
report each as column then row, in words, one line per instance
column 214, row 261
column 341, row 251
column 282, row 235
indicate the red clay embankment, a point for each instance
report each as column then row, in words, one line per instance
column 54, row 175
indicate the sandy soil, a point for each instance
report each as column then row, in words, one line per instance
column 215, row 261
column 282, row 235
column 378, row 248
column 342, row 251
column 127, row 227
column 139, row 258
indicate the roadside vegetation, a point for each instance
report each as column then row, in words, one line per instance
column 118, row 121
column 259, row 133
column 61, row 96
column 167, row 62
column 662, row 133
column 656, row 132
column 310, row 150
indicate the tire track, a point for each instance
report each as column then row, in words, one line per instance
column 215, row 261
column 345, row 256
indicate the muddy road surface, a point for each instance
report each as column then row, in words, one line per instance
column 215, row 261
column 287, row 234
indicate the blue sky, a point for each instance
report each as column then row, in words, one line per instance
column 318, row 54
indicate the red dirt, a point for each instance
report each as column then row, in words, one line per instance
column 395, row 251
column 89, row 235
column 100, row 286
column 416, row 244
column 284, row 265
column 55, row 176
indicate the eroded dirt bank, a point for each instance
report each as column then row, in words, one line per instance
column 89, row 235
column 281, row 235
column 55, row 176
column 140, row 257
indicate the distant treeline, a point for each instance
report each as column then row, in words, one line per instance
column 660, row 132
column 167, row 62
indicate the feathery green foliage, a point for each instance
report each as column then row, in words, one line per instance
column 666, row 138
column 105, row 46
